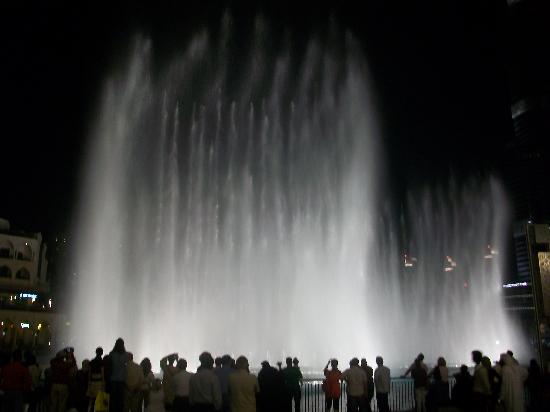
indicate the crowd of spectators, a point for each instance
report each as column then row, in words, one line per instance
column 116, row 383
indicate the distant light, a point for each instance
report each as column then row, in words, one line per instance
column 25, row 325
column 497, row 342
column 32, row 296
column 50, row 302
column 49, row 343
column 67, row 323
column 39, row 326
column 530, row 222
column 515, row 285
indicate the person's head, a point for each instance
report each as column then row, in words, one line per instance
column 485, row 361
column 441, row 361
column 85, row 365
column 226, row 360
column 363, row 362
column 182, row 364
column 130, row 356
column 288, row 361
column 295, row 361
column 354, row 362
column 379, row 360
column 420, row 357
column 265, row 364
column 119, row 346
column 477, row 356
column 218, row 362
column 146, row 366
column 242, row 363
column 509, row 352
column 99, row 352
column 334, row 363
column 206, row 360
column 464, row 370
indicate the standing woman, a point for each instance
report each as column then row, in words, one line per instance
column 117, row 362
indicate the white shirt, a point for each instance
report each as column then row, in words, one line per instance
column 382, row 379
column 181, row 383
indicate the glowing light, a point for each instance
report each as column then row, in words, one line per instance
column 39, row 326
column 50, row 302
column 32, row 296
column 25, row 325
column 450, row 264
column 497, row 342
column 515, row 285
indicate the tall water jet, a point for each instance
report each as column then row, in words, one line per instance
column 234, row 206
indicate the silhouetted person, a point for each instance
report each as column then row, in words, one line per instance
column 169, row 369
column 332, row 385
column 117, row 360
column 223, row 372
column 36, row 393
column 370, row 383
column 217, row 363
column 481, row 387
column 494, row 383
column 293, row 379
column 62, row 367
column 181, row 384
column 96, row 380
column 511, row 391
column 15, row 381
column 82, row 378
column 419, row 373
column 438, row 394
column 534, row 386
column 356, row 380
column 382, row 381
column 134, row 381
column 272, row 396
column 243, row 388
column 204, row 387
column 462, row 390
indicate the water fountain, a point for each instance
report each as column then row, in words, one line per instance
column 235, row 205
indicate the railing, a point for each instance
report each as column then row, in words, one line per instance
column 401, row 396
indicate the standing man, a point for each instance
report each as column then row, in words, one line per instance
column 134, row 380
column 481, row 387
column 243, row 388
column 205, row 394
column 293, row 381
column 382, row 382
column 370, row 384
column 167, row 365
column 356, row 380
column 181, row 385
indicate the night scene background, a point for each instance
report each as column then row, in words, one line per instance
column 460, row 90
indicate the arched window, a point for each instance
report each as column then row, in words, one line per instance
column 23, row 274
column 24, row 253
column 6, row 249
column 5, row 272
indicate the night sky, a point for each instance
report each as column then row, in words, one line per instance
column 440, row 70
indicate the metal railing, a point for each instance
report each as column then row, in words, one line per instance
column 401, row 396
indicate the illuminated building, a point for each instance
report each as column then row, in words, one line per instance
column 26, row 313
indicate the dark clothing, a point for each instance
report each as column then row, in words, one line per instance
column 462, row 391
column 181, row 404
column 61, row 370
column 370, row 386
column 16, row 378
column 332, row 402
column 420, row 376
column 272, row 390
column 117, row 395
column 356, row 403
column 203, row 407
column 382, row 401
